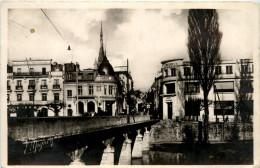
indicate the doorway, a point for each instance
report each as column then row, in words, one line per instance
column 169, row 110
column 91, row 106
column 81, row 108
column 109, row 108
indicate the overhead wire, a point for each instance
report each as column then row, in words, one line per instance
column 18, row 24
column 55, row 27
column 69, row 48
column 31, row 29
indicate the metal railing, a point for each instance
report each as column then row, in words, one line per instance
column 19, row 87
column 30, row 73
column 56, row 86
column 54, row 101
column 44, row 86
column 31, row 87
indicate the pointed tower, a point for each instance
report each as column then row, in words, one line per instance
column 95, row 64
column 103, row 65
column 105, row 51
column 101, row 50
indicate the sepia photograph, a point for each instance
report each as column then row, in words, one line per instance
column 155, row 83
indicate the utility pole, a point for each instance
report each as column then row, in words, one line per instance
column 128, row 107
column 77, row 113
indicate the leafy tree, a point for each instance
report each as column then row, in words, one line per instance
column 204, row 40
column 138, row 93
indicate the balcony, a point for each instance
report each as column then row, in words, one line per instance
column 31, row 74
column 31, row 87
column 55, row 102
column 44, row 86
column 105, row 78
column 56, row 87
column 19, row 88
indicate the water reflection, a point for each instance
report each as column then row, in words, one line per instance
column 198, row 154
column 145, row 160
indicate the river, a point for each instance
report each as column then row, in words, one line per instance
column 159, row 154
column 198, row 154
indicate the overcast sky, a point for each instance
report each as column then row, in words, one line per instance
column 145, row 37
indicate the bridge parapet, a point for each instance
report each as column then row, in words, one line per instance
column 30, row 129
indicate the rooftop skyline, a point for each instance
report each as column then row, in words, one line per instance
column 145, row 37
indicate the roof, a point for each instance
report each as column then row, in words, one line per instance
column 31, row 60
column 105, row 68
column 170, row 60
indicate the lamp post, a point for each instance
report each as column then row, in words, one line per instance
column 77, row 112
column 128, row 107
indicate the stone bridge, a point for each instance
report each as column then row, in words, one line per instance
column 74, row 135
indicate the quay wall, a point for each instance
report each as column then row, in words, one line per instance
column 168, row 131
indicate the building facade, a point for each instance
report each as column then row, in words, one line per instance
column 40, row 88
column 181, row 96
column 125, row 85
column 91, row 91
column 35, row 88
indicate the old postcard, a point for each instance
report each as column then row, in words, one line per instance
column 130, row 83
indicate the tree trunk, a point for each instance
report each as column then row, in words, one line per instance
column 223, row 126
column 206, row 118
column 244, row 130
column 56, row 114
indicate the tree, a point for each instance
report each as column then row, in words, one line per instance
column 55, row 107
column 190, row 103
column 134, row 95
column 244, row 92
column 204, row 40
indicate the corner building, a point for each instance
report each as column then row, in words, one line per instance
column 181, row 96
column 34, row 88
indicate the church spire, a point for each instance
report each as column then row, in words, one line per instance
column 95, row 64
column 101, row 36
column 105, row 51
column 102, row 54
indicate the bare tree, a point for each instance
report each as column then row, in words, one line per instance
column 204, row 40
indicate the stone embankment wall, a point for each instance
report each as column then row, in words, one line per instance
column 170, row 131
